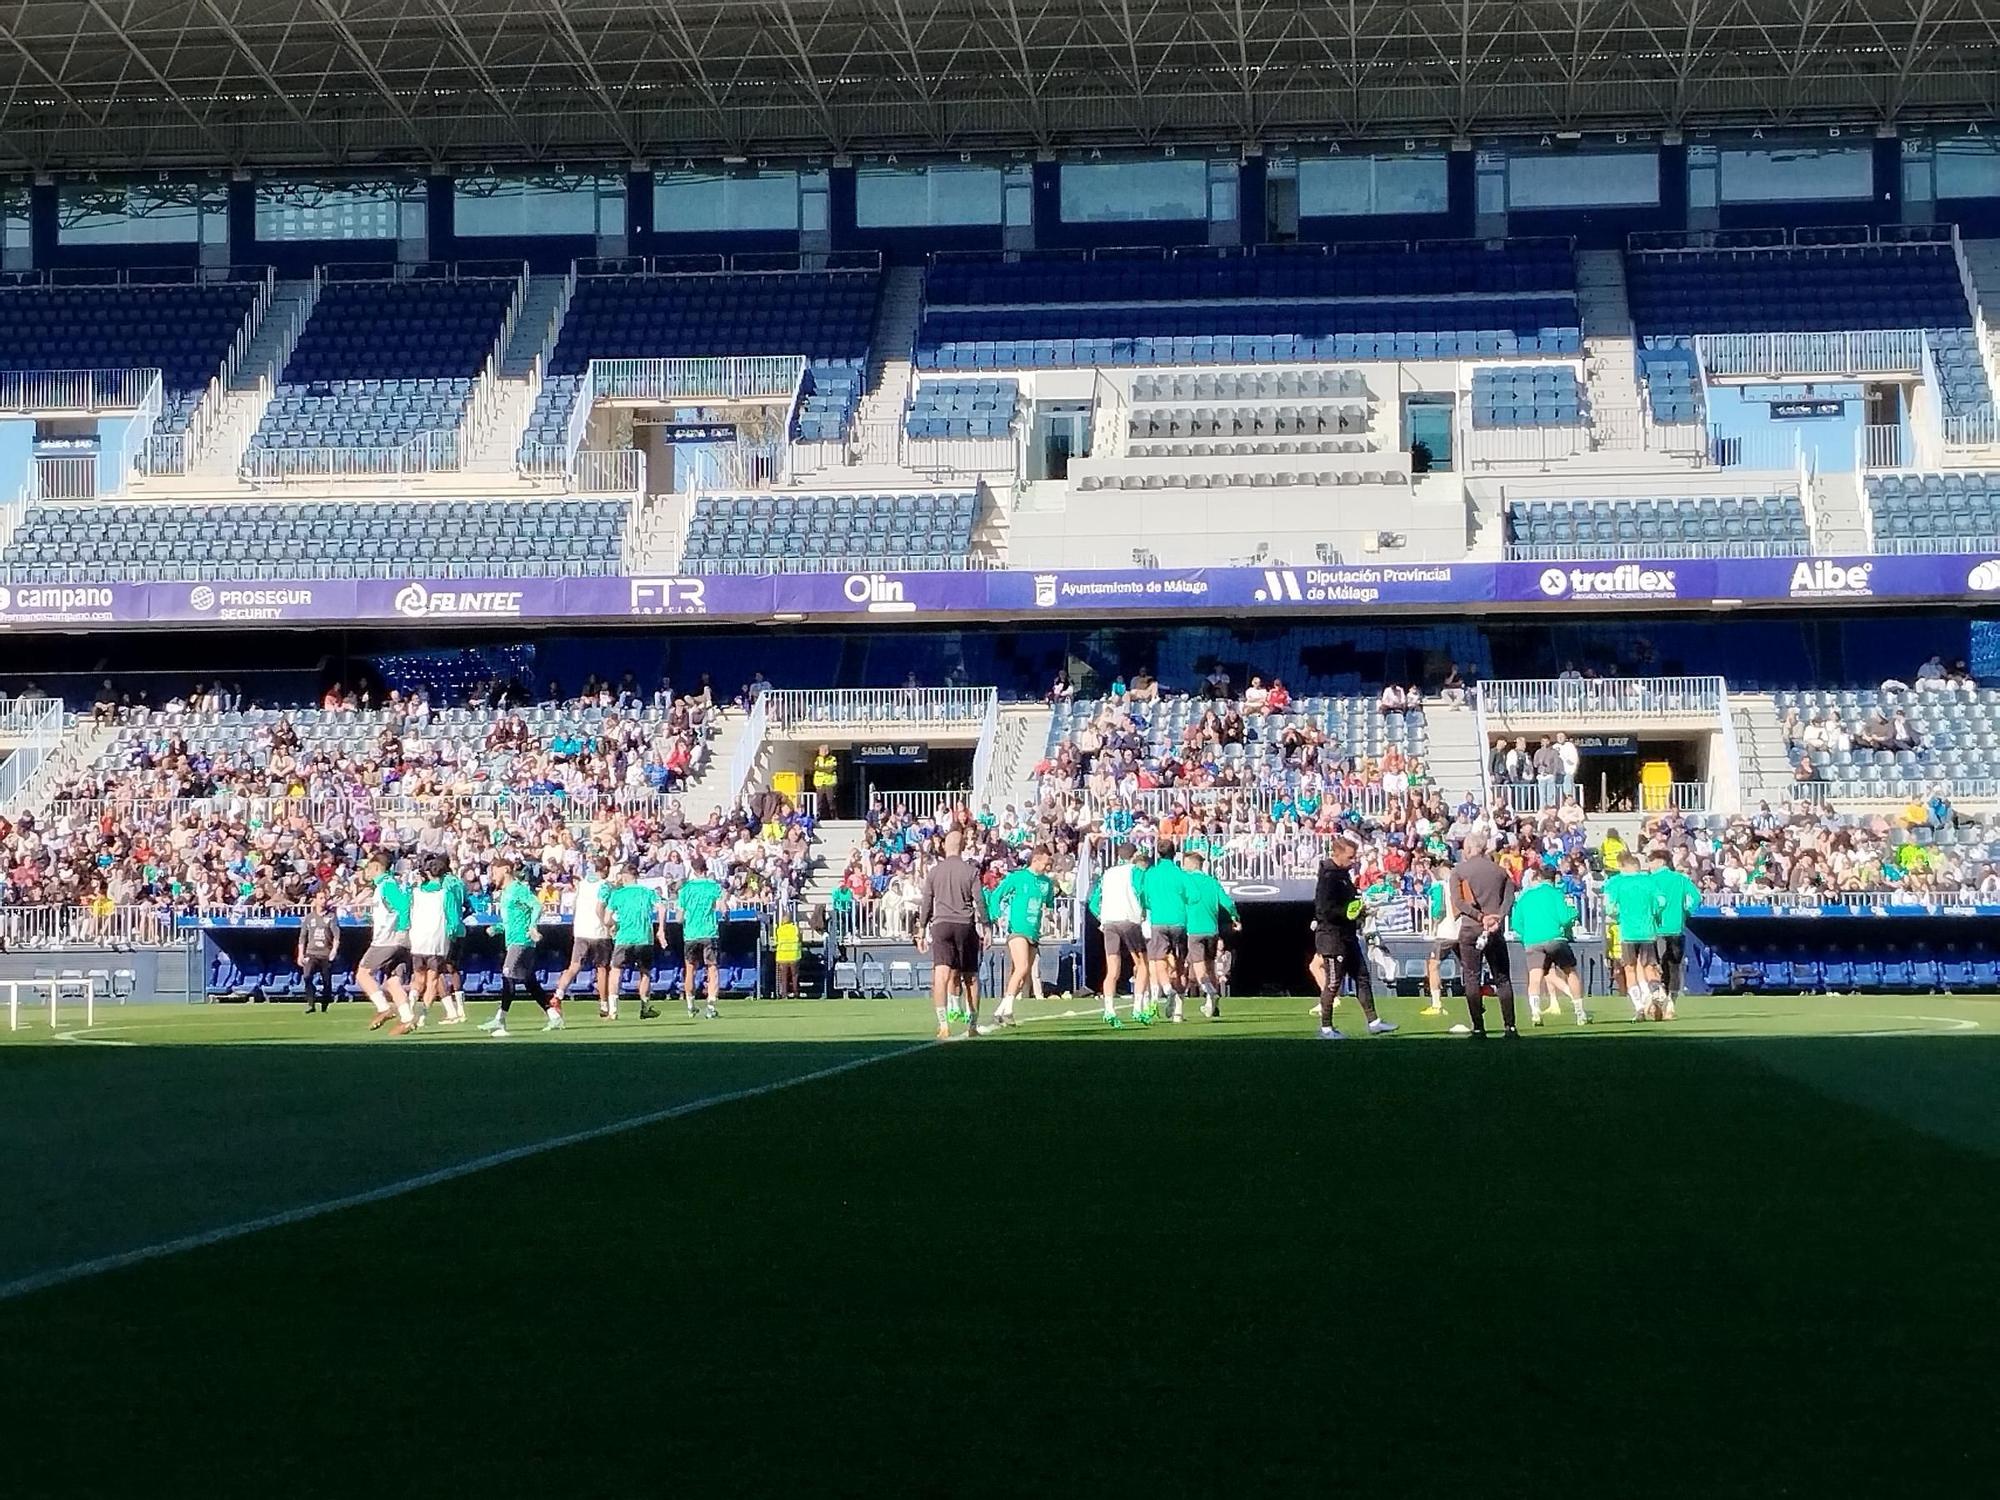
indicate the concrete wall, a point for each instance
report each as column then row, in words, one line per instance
column 1203, row 528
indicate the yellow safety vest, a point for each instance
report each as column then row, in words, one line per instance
column 825, row 770
column 785, row 942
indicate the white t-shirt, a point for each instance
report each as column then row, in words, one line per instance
column 427, row 930
column 589, row 913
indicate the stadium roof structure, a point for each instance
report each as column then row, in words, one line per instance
column 118, row 84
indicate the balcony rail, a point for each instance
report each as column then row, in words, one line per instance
column 1617, row 697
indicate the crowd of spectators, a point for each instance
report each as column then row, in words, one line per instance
column 204, row 806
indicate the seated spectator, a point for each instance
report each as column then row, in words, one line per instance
column 1256, row 697
column 1392, row 702
column 1279, row 700
column 1454, row 688
column 1062, row 690
column 1216, row 684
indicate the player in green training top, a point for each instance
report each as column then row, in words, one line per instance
column 1543, row 919
column 1678, row 896
column 520, row 914
column 700, row 903
column 1207, row 905
column 629, row 908
column 457, row 906
column 1165, row 896
column 1632, row 900
column 1021, row 900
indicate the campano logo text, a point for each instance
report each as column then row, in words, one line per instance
column 60, row 599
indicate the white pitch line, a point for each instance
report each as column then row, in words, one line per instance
column 87, row 1039
column 100, row 1265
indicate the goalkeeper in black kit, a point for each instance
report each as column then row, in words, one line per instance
column 1338, row 912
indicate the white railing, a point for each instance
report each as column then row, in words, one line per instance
column 696, row 382
column 434, row 451
column 1879, row 448
column 997, row 458
column 1620, row 697
column 609, row 471
column 296, row 318
column 50, row 928
column 32, row 728
column 175, row 452
column 1887, row 351
column 1490, row 447
column 137, row 435
column 1683, row 439
column 485, row 403
column 1664, row 551
column 1677, row 796
column 801, row 711
column 519, row 807
column 67, row 476
column 1755, row 450
column 982, row 757
column 302, row 570
column 1973, row 429
column 921, row 805
column 51, row 392
column 1812, row 901
column 743, row 763
column 881, row 920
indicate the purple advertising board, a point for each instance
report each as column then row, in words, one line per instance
column 1284, row 591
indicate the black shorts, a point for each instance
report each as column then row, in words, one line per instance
column 454, row 951
column 1124, row 939
column 1673, row 949
column 1202, row 950
column 1636, row 951
column 701, row 952
column 955, row 946
column 589, row 953
column 631, row 956
column 429, row 963
column 385, row 958
column 519, row 962
column 1545, row 956
column 1328, row 941
column 1166, row 941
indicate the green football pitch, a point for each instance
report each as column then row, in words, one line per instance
column 804, row 1249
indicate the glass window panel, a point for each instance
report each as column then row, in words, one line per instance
column 965, row 195
column 535, row 203
column 1792, row 174
column 1968, row 169
column 891, row 197
column 1357, row 186
column 1123, row 192
column 115, row 213
column 303, row 209
column 1583, row 179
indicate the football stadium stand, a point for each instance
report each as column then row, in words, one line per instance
column 963, row 408
column 1957, row 512
column 187, row 330
column 1734, row 526
column 384, row 365
column 444, row 538
column 824, row 316
column 808, row 533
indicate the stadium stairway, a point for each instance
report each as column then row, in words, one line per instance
column 1839, row 515
column 892, row 346
column 1763, row 769
column 249, row 394
column 1456, row 758
column 520, row 382
column 1609, row 351
column 82, row 743
column 1982, row 266
column 838, row 838
column 1022, row 741
column 709, row 792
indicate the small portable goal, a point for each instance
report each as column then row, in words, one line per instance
column 30, row 993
